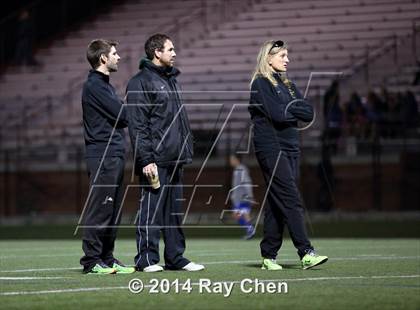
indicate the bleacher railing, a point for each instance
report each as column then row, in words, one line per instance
column 387, row 45
column 416, row 32
column 184, row 30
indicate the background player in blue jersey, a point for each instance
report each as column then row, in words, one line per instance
column 241, row 195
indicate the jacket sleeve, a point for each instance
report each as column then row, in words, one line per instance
column 301, row 108
column 109, row 105
column 270, row 102
column 139, row 126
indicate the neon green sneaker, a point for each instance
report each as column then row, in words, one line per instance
column 121, row 269
column 311, row 259
column 102, row 269
column 270, row 264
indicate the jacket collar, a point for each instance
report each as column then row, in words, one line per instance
column 166, row 72
column 99, row 75
column 280, row 76
column 285, row 83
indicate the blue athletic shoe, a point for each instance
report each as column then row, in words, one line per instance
column 250, row 232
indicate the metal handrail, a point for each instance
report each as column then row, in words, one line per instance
column 416, row 28
column 16, row 12
column 382, row 48
column 73, row 84
column 77, row 81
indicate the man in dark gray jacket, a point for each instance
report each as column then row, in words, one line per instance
column 162, row 143
column 104, row 120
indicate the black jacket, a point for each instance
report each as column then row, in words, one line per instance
column 158, row 123
column 102, row 112
column 275, row 115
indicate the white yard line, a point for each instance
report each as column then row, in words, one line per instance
column 43, row 269
column 38, row 249
column 295, row 259
column 197, row 253
column 70, row 290
column 41, row 255
column 77, row 248
column 281, row 259
column 89, row 289
column 374, row 258
column 31, row 278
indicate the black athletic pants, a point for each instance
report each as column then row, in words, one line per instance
column 160, row 212
column 101, row 215
column 284, row 205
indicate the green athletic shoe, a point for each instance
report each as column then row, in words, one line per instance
column 102, row 269
column 311, row 259
column 270, row 264
column 121, row 269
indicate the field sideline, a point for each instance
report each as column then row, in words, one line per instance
column 361, row 274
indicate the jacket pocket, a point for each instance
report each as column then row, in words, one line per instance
column 168, row 145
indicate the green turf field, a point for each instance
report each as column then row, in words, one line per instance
column 361, row 274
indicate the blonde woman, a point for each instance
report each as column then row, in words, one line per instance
column 276, row 106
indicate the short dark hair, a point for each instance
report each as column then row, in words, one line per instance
column 96, row 48
column 155, row 42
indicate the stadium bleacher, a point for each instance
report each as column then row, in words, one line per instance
column 42, row 105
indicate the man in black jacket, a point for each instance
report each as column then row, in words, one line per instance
column 104, row 120
column 162, row 143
